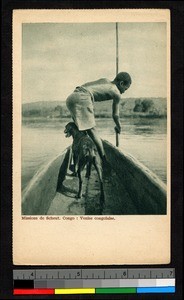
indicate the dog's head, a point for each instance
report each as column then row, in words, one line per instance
column 70, row 128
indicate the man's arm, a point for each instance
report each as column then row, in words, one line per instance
column 115, row 113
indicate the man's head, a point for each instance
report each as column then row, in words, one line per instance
column 123, row 81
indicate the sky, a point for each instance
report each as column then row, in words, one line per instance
column 57, row 57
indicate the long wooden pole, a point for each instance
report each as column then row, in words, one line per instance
column 117, row 52
column 117, row 67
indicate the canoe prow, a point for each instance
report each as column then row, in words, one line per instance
column 129, row 188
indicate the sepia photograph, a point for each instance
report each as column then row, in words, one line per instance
column 91, row 137
column 94, row 118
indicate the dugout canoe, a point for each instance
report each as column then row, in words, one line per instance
column 130, row 188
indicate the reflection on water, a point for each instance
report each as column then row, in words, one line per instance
column 144, row 138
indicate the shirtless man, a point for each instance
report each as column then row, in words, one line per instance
column 80, row 104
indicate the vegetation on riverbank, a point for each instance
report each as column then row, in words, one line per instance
column 130, row 107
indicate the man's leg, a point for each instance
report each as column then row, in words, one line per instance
column 98, row 142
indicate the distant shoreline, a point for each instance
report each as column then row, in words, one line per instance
column 54, row 119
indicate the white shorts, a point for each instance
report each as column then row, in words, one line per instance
column 80, row 105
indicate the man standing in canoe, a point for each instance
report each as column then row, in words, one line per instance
column 80, row 104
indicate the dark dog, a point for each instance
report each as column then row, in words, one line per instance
column 84, row 154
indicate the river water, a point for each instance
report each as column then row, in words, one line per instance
column 144, row 138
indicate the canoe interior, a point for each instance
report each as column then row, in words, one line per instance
column 129, row 189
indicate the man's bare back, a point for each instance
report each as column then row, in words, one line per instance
column 102, row 89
